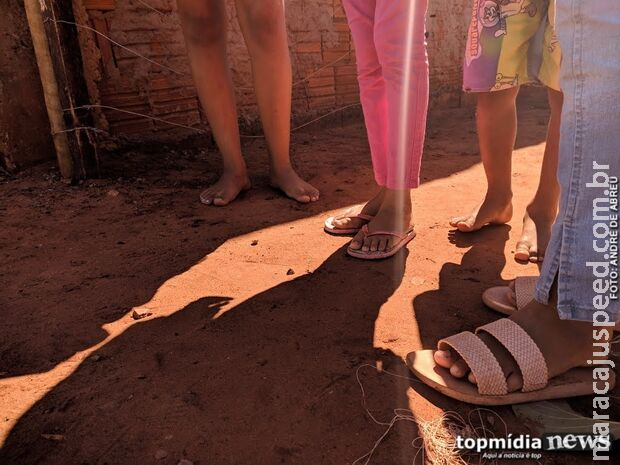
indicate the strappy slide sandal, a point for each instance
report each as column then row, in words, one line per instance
column 403, row 240
column 330, row 228
column 503, row 300
column 491, row 388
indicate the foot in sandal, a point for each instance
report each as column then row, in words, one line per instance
column 531, row 356
column 535, row 234
column 515, row 296
column 226, row 189
column 388, row 231
column 354, row 219
column 495, row 209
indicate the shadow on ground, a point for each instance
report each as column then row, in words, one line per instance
column 270, row 381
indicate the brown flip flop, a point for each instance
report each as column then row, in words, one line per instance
column 491, row 388
column 503, row 300
column 403, row 240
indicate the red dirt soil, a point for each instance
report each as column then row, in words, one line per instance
column 256, row 320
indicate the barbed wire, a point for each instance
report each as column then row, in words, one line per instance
column 177, row 72
column 198, row 130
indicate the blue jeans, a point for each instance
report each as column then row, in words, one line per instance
column 582, row 254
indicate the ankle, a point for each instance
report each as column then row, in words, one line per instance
column 397, row 200
column 236, row 172
column 499, row 196
column 281, row 169
column 543, row 209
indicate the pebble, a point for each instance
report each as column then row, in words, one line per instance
column 161, row 454
column 138, row 316
column 53, row 437
column 290, row 272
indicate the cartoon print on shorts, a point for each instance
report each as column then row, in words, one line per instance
column 553, row 44
column 491, row 14
column 505, row 82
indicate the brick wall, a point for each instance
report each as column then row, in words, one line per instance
column 319, row 39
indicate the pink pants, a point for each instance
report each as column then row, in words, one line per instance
column 390, row 43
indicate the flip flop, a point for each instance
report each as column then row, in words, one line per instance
column 403, row 240
column 503, row 300
column 331, row 228
column 492, row 388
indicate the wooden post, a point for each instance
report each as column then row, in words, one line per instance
column 57, row 49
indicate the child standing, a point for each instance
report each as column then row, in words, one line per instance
column 510, row 43
column 263, row 26
column 390, row 43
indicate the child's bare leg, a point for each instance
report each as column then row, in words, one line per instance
column 204, row 28
column 543, row 209
column 497, row 130
column 264, row 29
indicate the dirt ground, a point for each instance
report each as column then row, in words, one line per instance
column 257, row 325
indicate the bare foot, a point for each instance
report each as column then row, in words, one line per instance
column 289, row 182
column 371, row 208
column 394, row 215
column 535, row 236
column 564, row 345
column 225, row 190
column 491, row 211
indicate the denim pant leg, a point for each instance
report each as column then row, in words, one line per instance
column 582, row 254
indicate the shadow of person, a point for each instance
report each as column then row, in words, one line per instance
column 458, row 300
column 71, row 272
column 268, row 380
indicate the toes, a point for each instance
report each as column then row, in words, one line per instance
column 444, row 358
column 206, row 197
column 459, row 369
column 466, row 225
column 366, row 244
column 456, row 220
column 220, row 202
column 304, row 198
column 457, row 366
column 314, row 195
column 523, row 251
column 357, row 241
column 514, row 381
column 373, row 243
column 471, row 378
column 382, row 245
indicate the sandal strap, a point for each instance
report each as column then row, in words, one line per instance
column 398, row 235
column 523, row 349
column 481, row 361
column 524, row 290
column 350, row 214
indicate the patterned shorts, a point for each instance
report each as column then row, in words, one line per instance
column 509, row 43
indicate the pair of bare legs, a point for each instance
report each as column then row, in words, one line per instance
column 391, row 210
column 497, row 131
column 204, row 24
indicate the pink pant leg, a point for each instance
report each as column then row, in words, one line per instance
column 401, row 48
column 361, row 18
